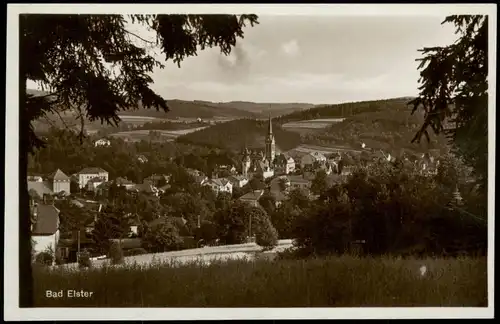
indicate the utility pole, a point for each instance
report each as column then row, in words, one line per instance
column 250, row 227
column 78, row 254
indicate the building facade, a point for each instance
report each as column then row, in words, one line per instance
column 59, row 182
column 88, row 174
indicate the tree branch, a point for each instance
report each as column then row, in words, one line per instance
column 137, row 36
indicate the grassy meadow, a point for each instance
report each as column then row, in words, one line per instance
column 327, row 282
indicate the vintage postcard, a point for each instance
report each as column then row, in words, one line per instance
column 249, row 161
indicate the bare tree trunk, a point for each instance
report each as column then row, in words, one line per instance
column 25, row 270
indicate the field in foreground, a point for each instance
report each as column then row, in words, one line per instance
column 328, row 282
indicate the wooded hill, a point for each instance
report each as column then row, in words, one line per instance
column 382, row 124
column 236, row 134
column 178, row 109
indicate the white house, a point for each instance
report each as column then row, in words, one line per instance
column 309, row 159
column 220, row 185
column 87, row 174
column 45, row 227
column 238, row 181
column 102, row 142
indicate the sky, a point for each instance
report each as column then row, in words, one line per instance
column 308, row 59
column 313, row 59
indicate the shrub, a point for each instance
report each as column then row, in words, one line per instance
column 116, row 253
column 136, row 251
column 84, row 260
column 267, row 237
column 265, row 233
column 44, row 258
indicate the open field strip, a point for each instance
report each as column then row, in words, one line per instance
column 313, row 123
column 206, row 254
column 323, row 149
column 145, row 132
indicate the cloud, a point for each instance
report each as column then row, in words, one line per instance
column 235, row 66
column 291, row 48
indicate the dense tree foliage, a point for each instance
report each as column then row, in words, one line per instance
column 319, row 184
column 388, row 130
column 344, row 110
column 207, row 232
column 268, row 202
column 161, row 237
column 110, row 225
column 454, row 91
column 64, row 151
column 395, row 209
column 232, row 223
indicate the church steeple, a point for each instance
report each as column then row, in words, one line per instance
column 270, row 143
column 270, row 127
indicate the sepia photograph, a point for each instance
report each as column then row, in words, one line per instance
column 249, row 161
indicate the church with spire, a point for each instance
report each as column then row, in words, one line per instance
column 261, row 163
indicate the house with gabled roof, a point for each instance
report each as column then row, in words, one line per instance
column 44, row 226
column 219, row 185
column 59, row 182
column 87, row 174
column 252, row 197
column 308, row 160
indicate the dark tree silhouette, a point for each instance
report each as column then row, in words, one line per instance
column 69, row 57
column 454, row 91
